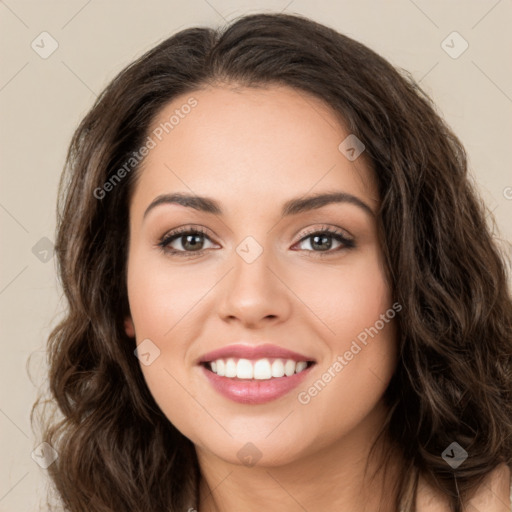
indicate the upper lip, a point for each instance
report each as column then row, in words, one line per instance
column 266, row 350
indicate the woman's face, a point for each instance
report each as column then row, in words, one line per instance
column 261, row 271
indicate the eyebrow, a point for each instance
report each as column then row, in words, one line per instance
column 290, row 207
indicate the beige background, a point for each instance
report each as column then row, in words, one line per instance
column 42, row 101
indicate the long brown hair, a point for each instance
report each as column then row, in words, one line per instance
column 453, row 383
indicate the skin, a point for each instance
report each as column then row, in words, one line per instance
column 252, row 149
column 492, row 496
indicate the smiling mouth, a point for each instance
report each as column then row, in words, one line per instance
column 260, row 369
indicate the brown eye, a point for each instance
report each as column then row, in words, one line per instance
column 184, row 242
column 321, row 241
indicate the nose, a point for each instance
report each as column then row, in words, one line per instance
column 254, row 293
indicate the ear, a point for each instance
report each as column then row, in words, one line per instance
column 129, row 327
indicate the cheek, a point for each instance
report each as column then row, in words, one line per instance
column 345, row 299
column 358, row 328
column 351, row 383
column 363, row 300
column 164, row 305
column 162, row 297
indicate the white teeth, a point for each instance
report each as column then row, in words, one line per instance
column 278, row 368
column 230, row 369
column 262, row 369
column 244, row 369
column 301, row 365
column 289, row 367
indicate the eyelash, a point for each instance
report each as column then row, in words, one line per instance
column 187, row 230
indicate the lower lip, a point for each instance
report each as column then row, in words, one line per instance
column 247, row 391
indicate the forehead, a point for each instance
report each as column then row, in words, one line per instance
column 243, row 144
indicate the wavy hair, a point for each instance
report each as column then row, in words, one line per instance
column 453, row 381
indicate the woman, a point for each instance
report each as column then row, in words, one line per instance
column 341, row 338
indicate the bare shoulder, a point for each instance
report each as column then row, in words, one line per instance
column 492, row 496
column 429, row 499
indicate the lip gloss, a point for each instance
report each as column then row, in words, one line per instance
column 253, row 391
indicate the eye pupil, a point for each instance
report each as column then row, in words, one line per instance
column 325, row 240
column 189, row 239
